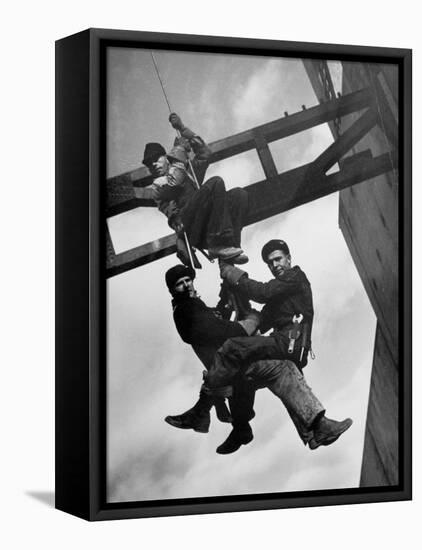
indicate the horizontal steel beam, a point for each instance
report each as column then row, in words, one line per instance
column 121, row 192
column 142, row 255
column 291, row 189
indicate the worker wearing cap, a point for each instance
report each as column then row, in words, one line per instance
column 286, row 298
column 288, row 310
column 212, row 218
column 202, row 328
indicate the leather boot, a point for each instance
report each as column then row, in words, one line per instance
column 197, row 418
column 221, row 410
column 327, row 431
column 240, row 435
column 228, row 254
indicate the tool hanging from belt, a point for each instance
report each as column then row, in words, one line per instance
column 300, row 329
column 194, row 262
column 295, row 332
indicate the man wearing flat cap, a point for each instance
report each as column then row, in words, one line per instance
column 211, row 217
column 288, row 310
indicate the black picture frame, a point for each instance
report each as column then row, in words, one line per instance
column 81, row 261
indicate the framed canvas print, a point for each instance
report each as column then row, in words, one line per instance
column 233, row 274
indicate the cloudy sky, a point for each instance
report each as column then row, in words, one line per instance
column 151, row 372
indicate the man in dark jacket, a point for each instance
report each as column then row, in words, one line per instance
column 212, row 218
column 289, row 311
column 204, row 329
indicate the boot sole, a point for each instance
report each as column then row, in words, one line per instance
column 233, row 449
column 328, row 440
column 231, row 258
column 198, row 429
column 201, row 430
column 225, row 419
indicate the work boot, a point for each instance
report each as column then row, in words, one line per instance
column 191, row 420
column 237, row 437
column 197, row 418
column 230, row 254
column 327, row 431
column 221, row 410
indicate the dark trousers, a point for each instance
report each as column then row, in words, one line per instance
column 242, row 399
column 214, row 217
column 242, row 402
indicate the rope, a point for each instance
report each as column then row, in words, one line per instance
column 192, row 263
column 161, row 82
column 170, row 111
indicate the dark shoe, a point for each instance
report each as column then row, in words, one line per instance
column 240, row 259
column 235, row 440
column 222, row 411
column 191, row 420
column 230, row 254
column 328, row 431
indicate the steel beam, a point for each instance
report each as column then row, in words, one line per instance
column 291, row 189
column 387, row 109
column 265, row 156
column 110, row 252
column 122, row 197
column 346, row 141
column 320, row 78
column 142, row 255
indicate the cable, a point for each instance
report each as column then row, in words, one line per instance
column 161, row 82
column 192, row 263
column 170, row 111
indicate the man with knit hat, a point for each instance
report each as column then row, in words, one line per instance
column 212, row 218
column 288, row 310
column 202, row 328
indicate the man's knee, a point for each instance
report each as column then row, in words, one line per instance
column 230, row 347
column 215, row 184
column 239, row 205
column 239, row 196
column 226, row 348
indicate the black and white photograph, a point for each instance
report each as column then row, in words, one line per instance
column 209, row 237
column 252, row 264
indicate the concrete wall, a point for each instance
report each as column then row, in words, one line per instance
column 368, row 218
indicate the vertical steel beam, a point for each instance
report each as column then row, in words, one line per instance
column 265, row 156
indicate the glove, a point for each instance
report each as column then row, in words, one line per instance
column 183, row 142
column 176, row 122
column 253, row 316
column 176, row 223
column 231, row 273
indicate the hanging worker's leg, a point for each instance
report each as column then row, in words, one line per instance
column 197, row 418
column 221, row 410
column 287, row 382
column 219, row 226
column 206, row 218
column 235, row 354
column 238, row 208
column 241, row 406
